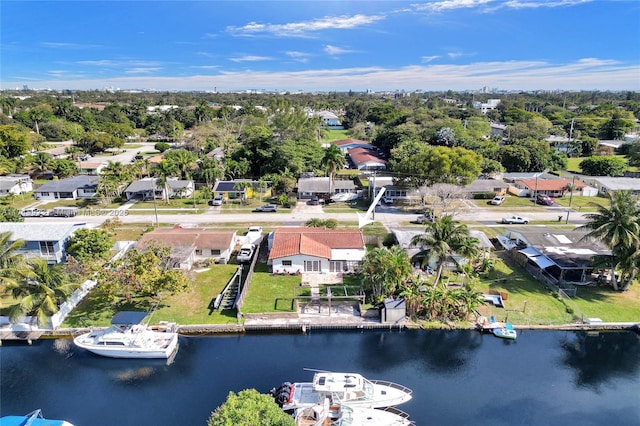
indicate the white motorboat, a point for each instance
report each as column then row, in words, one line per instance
column 342, row 415
column 349, row 389
column 128, row 337
column 34, row 418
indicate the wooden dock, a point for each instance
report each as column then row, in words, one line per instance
column 7, row 334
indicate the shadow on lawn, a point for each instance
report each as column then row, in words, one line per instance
column 285, row 305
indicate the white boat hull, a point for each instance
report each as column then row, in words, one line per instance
column 352, row 416
column 148, row 344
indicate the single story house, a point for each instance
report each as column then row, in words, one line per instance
column 346, row 144
column 316, row 250
column 81, row 186
column 552, row 187
column 606, row 184
column 330, row 120
column 91, row 167
column 192, row 245
column 497, row 129
column 485, row 186
column 145, row 188
column 396, row 192
column 15, row 184
column 564, row 256
column 240, row 189
column 309, row 187
column 366, row 159
column 42, row 239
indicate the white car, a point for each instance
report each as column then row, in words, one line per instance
column 246, row 253
column 497, row 200
column 217, row 201
column 515, row 219
column 254, row 234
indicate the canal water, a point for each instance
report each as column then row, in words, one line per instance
column 457, row 377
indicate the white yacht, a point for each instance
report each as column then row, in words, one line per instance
column 348, row 389
column 342, row 415
column 128, row 337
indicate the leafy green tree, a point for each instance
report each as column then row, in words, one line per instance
column 41, row 162
column 385, row 270
column 14, row 141
column 10, row 214
column 142, row 274
column 444, row 237
column 183, row 160
column 64, row 168
column 41, row 294
column 603, row 166
column 355, row 112
column 633, row 154
column 250, row 408
column 616, row 127
column 618, row 227
column 421, row 165
column 161, row 146
column 90, row 244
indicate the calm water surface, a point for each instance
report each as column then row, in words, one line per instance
column 458, row 377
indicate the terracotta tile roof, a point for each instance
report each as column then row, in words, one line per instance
column 362, row 155
column 550, row 184
column 199, row 238
column 317, row 242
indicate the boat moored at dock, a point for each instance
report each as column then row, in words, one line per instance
column 35, row 418
column 349, row 389
column 128, row 337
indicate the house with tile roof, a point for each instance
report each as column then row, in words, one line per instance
column 42, row 239
column 316, row 250
column 366, row 159
column 73, row 188
column 551, row 187
column 190, row 246
column 346, row 144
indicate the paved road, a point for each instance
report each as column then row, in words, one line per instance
column 387, row 216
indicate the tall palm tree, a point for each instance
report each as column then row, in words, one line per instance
column 332, row 160
column 41, row 293
column 445, row 236
column 386, row 270
column 163, row 171
column 183, row 160
column 618, row 227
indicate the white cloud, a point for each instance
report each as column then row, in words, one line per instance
column 335, row 50
column 304, row 28
column 524, row 4
column 142, row 70
column 250, row 58
column 56, row 45
column 440, row 6
column 454, row 55
column 426, row 59
column 583, row 74
column 490, row 5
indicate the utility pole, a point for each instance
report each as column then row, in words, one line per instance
column 573, row 181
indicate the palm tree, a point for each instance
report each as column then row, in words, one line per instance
column 163, row 171
column 445, row 236
column 183, row 161
column 41, row 293
column 332, row 160
column 41, row 162
column 12, row 265
column 618, row 227
column 386, row 270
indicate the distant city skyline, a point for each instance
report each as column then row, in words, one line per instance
column 460, row 45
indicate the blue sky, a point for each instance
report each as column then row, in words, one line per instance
column 321, row 45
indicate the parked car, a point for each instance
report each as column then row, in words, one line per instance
column 544, row 199
column 423, row 218
column 497, row 200
column 34, row 212
column 314, row 201
column 267, row 208
column 246, row 253
column 515, row 219
column 387, row 200
column 254, row 234
column 217, row 201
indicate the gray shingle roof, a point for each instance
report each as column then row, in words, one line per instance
column 69, row 184
column 321, row 184
column 39, row 231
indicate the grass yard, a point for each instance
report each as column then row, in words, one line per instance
column 581, row 203
column 270, row 293
column 610, row 306
column 336, row 135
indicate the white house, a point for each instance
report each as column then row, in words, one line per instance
column 81, row 186
column 316, row 250
column 144, row 189
column 485, row 107
column 42, row 239
column 15, row 184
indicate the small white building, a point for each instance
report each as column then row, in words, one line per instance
column 15, row 184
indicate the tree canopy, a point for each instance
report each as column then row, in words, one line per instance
column 250, row 408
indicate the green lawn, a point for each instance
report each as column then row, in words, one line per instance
column 573, row 164
column 581, row 203
column 270, row 293
column 336, row 135
column 17, row 201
